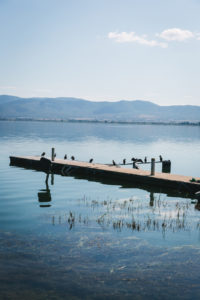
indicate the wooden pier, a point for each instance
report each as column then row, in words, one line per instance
column 134, row 176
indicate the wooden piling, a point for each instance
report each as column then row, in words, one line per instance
column 52, row 154
column 153, row 166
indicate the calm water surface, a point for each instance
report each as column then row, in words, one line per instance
column 80, row 239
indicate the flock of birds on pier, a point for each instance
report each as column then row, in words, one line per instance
column 133, row 159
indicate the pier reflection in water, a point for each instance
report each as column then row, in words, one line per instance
column 134, row 213
column 44, row 195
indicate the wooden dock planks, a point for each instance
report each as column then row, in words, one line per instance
column 70, row 168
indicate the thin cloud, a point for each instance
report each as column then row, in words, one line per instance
column 169, row 35
column 176, row 34
column 131, row 37
column 42, row 90
column 8, row 88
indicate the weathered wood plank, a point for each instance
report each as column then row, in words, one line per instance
column 68, row 167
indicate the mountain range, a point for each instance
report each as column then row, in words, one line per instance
column 73, row 108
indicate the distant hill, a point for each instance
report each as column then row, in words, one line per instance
column 73, row 108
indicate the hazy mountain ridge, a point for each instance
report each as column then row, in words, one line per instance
column 75, row 108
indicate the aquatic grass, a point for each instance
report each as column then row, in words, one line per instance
column 133, row 214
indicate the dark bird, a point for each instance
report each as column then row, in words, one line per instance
column 43, row 154
column 124, row 161
column 114, row 163
column 161, row 159
column 72, row 157
column 91, row 160
column 145, row 159
column 134, row 159
column 65, row 157
column 54, row 155
column 140, row 160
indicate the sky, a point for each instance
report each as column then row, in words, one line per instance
column 101, row 50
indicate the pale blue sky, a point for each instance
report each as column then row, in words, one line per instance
column 101, row 49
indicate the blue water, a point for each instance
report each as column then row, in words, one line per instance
column 80, row 239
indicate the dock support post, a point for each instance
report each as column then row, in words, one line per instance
column 52, row 179
column 151, row 199
column 153, row 166
column 52, row 154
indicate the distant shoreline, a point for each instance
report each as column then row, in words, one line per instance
column 183, row 123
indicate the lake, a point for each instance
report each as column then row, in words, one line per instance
column 85, row 239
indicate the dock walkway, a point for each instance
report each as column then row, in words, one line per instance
column 71, row 168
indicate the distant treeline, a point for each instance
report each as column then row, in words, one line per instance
column 185, row 123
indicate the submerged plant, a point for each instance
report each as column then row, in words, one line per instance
column 133, row 214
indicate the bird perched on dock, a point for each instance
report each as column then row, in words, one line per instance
column 124, row 161
column 161, row 159
column 65, row 157
column 43, row 154
column 72, row 157
column 54, row 155
column 91, row 160
column 134, row 159
column 145, row 159
column 139, row 160
column 114, row 163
